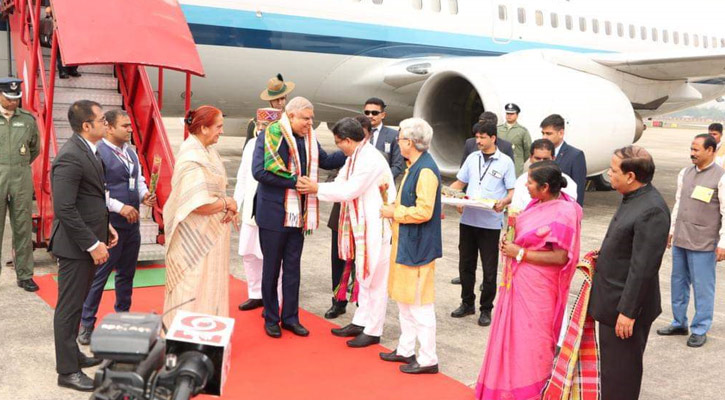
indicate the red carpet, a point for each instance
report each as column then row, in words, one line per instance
column 320, row 366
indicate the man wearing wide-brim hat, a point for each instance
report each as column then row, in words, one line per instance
column 18, row 148
column 277, row 91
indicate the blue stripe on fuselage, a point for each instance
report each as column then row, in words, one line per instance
column 239, row 28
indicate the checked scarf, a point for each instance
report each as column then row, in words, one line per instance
column 351, row 237
column 307, row 219
column 576, row 368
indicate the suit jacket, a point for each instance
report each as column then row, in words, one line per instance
column 79, row 201
column 626, row 279
column 269, row 200
column 387, row 143
column 573, row 163
column 503, row 145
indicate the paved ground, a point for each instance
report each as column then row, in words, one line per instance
column 672, row 370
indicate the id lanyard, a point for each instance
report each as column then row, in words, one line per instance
column 487, row 164
column 124, row 159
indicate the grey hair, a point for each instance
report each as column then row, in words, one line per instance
column 298, row 104
column 418, row 131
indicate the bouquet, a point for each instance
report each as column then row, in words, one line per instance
column 155, row 169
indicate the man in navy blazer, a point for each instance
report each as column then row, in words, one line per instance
column 503, row 145
column 383, row 138
column 570, row 159
column 282, row 246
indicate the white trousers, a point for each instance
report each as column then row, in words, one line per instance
column 418, row 322
column 253, row 270
column 372, row 298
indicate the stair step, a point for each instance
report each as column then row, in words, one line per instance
column 89, row 81
column 71, row 95
column 106, row 69
column 152, row 252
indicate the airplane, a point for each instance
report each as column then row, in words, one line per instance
column 601, row 65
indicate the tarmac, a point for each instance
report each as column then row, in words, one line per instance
column 672, row 370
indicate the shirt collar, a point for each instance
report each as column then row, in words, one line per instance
column 92, row 146
column 378, row 128
column 113, row 146
column 496, row 154
column 708, row 166
column 557, row 149
column 636, row 193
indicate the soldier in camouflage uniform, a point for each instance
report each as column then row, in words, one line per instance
column 19, row 146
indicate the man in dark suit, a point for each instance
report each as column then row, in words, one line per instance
column 503, row 145
column 282, row 245
column 570, row 159
column 80, row 230
column 625, row 297
column 383, row 138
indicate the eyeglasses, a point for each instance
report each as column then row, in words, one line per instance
column 102, row 120
column 374, row 113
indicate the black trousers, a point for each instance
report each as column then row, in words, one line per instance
column 123, row 258
column 74, row 282
column 281, row 251
column 621, row 362
column 337, row 267
column 472, row 243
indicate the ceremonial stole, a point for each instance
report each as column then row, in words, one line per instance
column 575, row 375
column 307, row 219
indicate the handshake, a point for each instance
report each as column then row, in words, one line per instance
column 306, row 185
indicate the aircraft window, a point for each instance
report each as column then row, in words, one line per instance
column 695, row 40
column 632, row 31
column 655, row 36
column 620, row 29
column 539, row 18
column 522, row 15
column 608, row 28
column 595, row 25
column 686, row 38
column 554, row 20
column 569, row 23
column 676, row 37
column 582, row 24
column 435, row 5
column 722, row 42
column 377, row 1
column 665, row 36
column 502, row 13
column 714, row 42
column 453, row 6
column 704, row 41
column 417, row 4
column 643, row 33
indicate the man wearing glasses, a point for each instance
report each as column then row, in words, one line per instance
column 384, row 138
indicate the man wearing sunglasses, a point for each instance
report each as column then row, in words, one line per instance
column 384, row 138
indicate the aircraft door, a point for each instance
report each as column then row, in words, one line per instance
column 503, row 19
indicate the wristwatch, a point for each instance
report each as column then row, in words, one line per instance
column 520, row 255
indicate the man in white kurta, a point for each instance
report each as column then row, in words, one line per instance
column 358, row 184
column 244, row 192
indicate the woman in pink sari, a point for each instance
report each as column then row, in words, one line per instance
column 540, row 263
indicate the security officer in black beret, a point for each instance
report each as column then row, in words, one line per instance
column 517, row 134
column 19, row 146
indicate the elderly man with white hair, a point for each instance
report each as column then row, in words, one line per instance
column 417, row 243
column 285, row 152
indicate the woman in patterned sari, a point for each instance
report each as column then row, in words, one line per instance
column 539, row 265
column 197, row 216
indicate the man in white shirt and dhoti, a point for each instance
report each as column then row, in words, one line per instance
column 362, row 187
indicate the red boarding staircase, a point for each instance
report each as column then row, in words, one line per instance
column 114, row 76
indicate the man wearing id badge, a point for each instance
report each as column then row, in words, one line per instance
column 489, row 174
column 383, row 138
column 125, row 190
column 697, row 238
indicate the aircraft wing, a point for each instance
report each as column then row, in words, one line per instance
column 661, row 66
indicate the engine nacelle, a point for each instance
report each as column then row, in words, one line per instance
column 599, row 117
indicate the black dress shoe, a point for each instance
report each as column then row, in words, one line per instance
column 394, row 357
column 349, row 330
column 456, row 281
column 77, row 380
column 297, row 329
column 336, row 310
column 63, row 75
column 696, row 340
column 415, row 368
column 463, row 310
column 485, row 318
column 84, row 335
column 273, row 331
column 363, row 340
column 86, row 362
column 74, row 73
column 251, row 304
column 29, row 285
column 671, row 330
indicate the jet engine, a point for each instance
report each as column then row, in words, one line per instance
column 599, row 117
